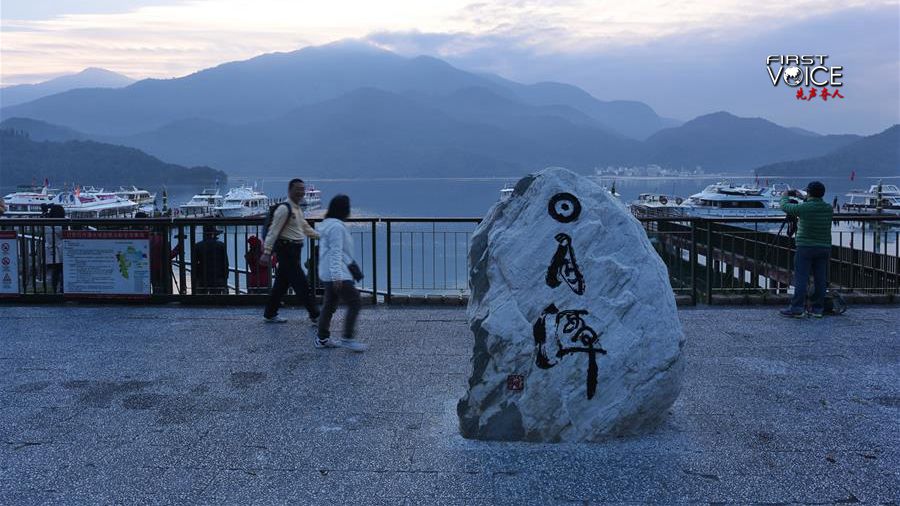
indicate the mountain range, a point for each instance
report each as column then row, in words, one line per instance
column 351, row 110
column 87, row 78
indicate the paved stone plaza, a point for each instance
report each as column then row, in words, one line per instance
column 182, row 405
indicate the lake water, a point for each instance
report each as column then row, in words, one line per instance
column 454, row 197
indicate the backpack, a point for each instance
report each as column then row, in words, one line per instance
column 271, row 214
column 834, row 303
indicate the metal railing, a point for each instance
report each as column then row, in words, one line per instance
column 425, row 259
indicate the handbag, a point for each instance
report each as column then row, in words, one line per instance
column 355, row 271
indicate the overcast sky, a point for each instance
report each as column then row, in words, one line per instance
column 683, row 58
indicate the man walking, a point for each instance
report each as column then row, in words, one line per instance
column 813, row 248
column 285, row 237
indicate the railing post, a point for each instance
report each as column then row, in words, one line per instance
column 709, row 261
column 387, row 297
column 374, row 261
column 165, row 281
column 693, row 262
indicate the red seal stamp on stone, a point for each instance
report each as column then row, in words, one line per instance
column 515, row 382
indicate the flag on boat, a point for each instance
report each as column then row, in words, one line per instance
column 852, row 175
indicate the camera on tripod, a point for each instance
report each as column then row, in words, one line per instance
column 796, row 196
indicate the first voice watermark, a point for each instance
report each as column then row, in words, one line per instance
column 806, row 72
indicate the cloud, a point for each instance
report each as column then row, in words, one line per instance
column 687, row 74
column 46, row 9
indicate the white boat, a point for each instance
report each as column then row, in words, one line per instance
column 506, row 192
column 91, row 202
column 241, row 202
column 725, row 200
column 867, row 202
column 312, row 198
column 657, row 204
column 143, row 198
column 202, row 204
column 27, row 201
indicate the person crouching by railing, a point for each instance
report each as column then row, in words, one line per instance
column 209, row 263
column 338, row 272
column 813, row 241
column 53, row 259
column 259, row 275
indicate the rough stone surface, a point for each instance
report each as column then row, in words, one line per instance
column 773, row 411
column 577, row 335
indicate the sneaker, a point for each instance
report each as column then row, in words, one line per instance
column 326, row 343
column 817, row 315
column 787, row 313
column 354, row 345
column 274, row 319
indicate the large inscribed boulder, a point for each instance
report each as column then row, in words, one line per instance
column 576, row 331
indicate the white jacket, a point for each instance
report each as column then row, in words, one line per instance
column 335, row 250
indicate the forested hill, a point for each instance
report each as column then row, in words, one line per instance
column 873, row 156
column 90, row 163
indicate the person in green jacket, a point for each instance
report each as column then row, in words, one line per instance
column 813, row 241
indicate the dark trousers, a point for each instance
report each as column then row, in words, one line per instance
column 56, row 277
column 810, row 260
column 335, row 291
column 290, row 274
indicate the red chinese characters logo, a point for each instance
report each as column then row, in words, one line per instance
column 822, row 93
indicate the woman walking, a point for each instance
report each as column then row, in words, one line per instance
column 337, row 271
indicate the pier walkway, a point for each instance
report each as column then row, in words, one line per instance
column 173, row 405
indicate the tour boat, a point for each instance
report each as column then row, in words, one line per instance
column 91, row 202
column 867, row 202
column 312, row 198
column 241, row 202
column 143, row 198
column 657, row 204
column 27, row 201
column 725, row 200
column 202, row 204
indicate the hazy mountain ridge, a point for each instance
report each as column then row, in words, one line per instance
column 352, row 110
column 871, row 156
column 43, row 131
column 367, row 132
column 87, row 78
column 269, row 85
column 723, row 142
